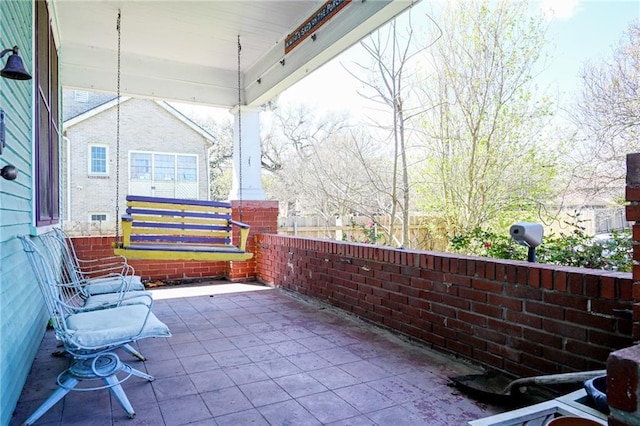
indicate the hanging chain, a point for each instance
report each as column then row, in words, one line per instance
column 239, row 130
column 117, row 238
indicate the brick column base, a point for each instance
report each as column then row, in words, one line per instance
column 623, row 366
column 622, row 386
column 263, row 218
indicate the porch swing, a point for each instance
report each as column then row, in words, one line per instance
column 157, row 228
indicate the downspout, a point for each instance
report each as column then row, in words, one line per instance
column 67, row 143
column 207, row 153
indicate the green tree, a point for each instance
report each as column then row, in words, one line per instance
column 485, row 152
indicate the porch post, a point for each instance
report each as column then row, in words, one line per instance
column 246, row 149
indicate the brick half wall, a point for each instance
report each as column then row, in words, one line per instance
column 261, row 215
column 518, row 317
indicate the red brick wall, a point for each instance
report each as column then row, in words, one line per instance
column 519, row 317
column 96, row 247
column 261, row 215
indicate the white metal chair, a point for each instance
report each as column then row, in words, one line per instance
column 114, row 287
column 97, row 276
column 92, row 335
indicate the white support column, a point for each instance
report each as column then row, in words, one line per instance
column 247, row 156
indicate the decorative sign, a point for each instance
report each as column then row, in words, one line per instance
column 319, row 18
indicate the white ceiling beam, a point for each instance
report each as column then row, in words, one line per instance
column 147, row 77
column 358, row 19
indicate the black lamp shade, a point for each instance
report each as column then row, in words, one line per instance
column 15, row 69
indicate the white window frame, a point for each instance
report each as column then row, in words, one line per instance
column 175, row 168
column 159, row 185
column 91, row 220
column 90, row 159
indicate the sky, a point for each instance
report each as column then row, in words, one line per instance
column 579, row 31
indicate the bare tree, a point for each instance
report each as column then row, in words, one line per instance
column 326, row 167
column 295, row 134
column 386, row 83
column 607, row 111
column 220, row 157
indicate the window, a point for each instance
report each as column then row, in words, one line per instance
column 47, row 134
column 98, row 217
column 187, row 168
column 165, row 168
column 163, row 174
column 140, row 166
column 98, row 160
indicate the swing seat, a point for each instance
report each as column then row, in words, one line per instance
column 156, row 228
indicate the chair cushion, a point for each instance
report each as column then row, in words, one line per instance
column 130, row 297
column 113, row 285
column 114, row 326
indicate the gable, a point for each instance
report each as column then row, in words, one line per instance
column 159, row 120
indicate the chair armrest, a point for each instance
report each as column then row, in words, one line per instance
column 127, row 298
column 240, row 224
column 101, row 270
column 244, row 234
column 127, row 225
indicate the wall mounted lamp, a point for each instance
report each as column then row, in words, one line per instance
column 9, row 172
column 15, row 67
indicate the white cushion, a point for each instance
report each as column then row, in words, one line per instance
column 106, row 327
column 113, row 284
column 130, row 297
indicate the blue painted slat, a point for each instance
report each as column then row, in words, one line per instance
column 183, row 248
column 180, row 239
column 202, row 227
column 170, row 213
column 178, row 201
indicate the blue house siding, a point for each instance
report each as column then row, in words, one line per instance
column 22, row 315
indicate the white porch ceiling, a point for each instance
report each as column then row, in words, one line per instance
column 187, row 50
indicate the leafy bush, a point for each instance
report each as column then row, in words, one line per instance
column 574, row 249
column 363, row 233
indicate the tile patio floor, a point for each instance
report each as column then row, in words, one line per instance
column 264, row 357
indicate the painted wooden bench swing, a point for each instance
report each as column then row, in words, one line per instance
column 174, row 229
column 157, row 228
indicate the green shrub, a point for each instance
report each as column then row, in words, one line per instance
column 574, row 249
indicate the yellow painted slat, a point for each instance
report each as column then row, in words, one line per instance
column 173, row 207
column 192, row 233
column 182, row 255
column 186, row 220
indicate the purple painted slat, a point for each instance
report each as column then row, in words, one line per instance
column 179, row 201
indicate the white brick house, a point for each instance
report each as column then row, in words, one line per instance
column 162, row 153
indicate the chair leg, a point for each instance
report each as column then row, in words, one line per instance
column 56, row 396
column 141, row 374
column 134, row 352
column 118, row 392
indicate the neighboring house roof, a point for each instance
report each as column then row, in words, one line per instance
column 93, row 112
column 77, row 102
column 112, row 102
column 186, row 120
